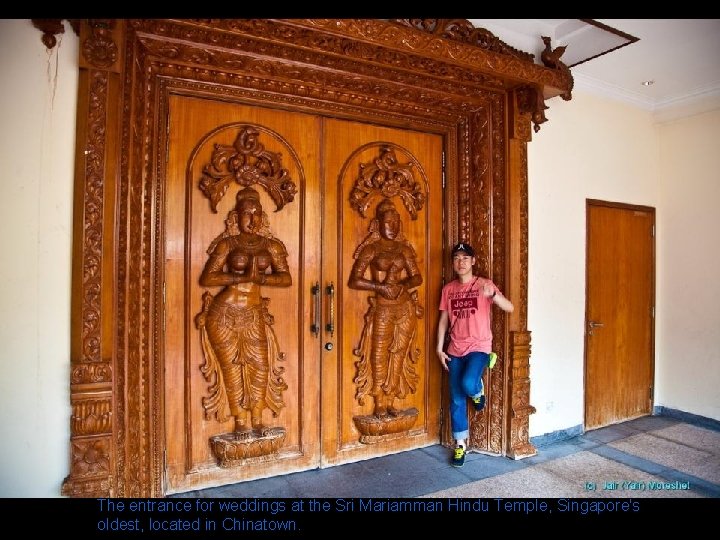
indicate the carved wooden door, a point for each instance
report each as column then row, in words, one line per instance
column 385, row 395
column 268, row 352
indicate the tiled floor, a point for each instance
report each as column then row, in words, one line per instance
column 653, row 456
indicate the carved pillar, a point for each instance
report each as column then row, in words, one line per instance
column 92, row 456
column 518, row 417
column 518, row 442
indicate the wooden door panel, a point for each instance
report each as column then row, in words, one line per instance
column 619, row 325
column 354, row 151
column 204, row 135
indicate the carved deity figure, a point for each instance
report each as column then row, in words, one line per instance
column 238, row 340
column 385, row 264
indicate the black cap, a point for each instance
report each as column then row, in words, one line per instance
column 465, row 248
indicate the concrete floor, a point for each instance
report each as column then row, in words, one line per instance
column 649, row 457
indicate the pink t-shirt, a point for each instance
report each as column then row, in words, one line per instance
column 468, row 316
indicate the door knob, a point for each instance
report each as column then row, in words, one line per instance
column 593, row 324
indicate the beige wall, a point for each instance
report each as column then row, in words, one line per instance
column 36, row 150
column 589, row 148
column 578, row 154
column 674, row 167
column 688, row 288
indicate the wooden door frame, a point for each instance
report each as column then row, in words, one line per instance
column 438, row 76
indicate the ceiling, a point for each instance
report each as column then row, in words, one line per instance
column 681, row 56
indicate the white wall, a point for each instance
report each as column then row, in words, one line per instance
column 579, row 154
column 688, row 326
column 674, row 167
column 37, row 143
column 589, row 148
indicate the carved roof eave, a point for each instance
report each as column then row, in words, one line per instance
column 509, row 66
column 506, row 70
column 434, row 38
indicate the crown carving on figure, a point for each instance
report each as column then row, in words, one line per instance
column 247, row 163
column 386, row 177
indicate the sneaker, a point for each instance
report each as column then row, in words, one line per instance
column 479, row 401
column 458, row 459
column 493, row 359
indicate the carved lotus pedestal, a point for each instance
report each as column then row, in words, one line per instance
column 233, row 449
column 374, row 429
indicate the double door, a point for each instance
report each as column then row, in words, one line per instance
column 303, row 337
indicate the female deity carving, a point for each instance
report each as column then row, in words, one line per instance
column 385, row 263
column 238, row 340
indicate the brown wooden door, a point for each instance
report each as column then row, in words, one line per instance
column 365, row 165
column 619, row 325
column 313, row 420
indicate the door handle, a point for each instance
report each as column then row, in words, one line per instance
column 315, row 326
column 593, row 324
column 330, row 291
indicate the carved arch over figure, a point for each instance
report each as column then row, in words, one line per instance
column 432, row 75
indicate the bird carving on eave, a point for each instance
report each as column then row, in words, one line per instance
column 551, row 57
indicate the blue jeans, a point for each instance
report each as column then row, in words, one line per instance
column 465, row 380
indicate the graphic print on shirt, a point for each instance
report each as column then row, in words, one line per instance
column 464, row 304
